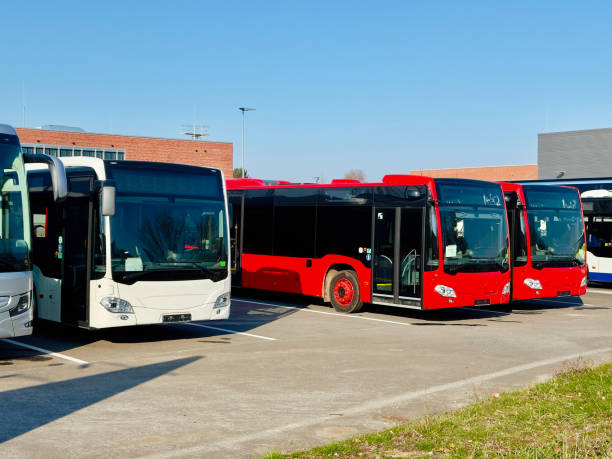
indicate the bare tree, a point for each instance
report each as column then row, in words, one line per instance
column 355, row 174
column 238, row 173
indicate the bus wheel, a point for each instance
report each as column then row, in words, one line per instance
column 344, row 292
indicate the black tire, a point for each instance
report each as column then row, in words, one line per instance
column 344, row 292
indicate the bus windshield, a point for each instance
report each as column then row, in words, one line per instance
column 169, row 223
column 14, row 253
column 555, row 227
column 474, row 228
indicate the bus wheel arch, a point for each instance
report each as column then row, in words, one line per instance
column 344, row 291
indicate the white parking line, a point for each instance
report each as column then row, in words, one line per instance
column 348, row 316
column 373, row 405
column 597, row 290
column 46, row 351
column 230, row 331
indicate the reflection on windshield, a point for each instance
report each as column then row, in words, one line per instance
column 474, row 239
column 151, row 233
column 557, row 237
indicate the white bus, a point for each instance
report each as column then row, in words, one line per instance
column 134, row 243
column 597, row 207
column 15, row 232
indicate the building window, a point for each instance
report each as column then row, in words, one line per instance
column 66, row 151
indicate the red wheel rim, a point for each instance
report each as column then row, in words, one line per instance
column 344, row 292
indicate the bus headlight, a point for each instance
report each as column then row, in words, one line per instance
column 23, row 304
column 506, row 289
column 117, row 305
column 533, row 283
column 584, row 281
column 222, row 300
column 445, row 291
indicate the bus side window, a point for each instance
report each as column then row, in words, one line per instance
column 259, row 219
column 431, row 240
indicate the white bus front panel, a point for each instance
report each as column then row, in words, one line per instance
column 13, row 285
column 151, row 301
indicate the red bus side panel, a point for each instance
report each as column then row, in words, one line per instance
column 293, row 275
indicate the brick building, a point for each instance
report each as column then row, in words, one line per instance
column 120, row 147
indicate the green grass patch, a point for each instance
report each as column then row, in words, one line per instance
column 568, row 416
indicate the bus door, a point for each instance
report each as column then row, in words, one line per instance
column 236, row 210
column 512, row 212
column 397, row 270
column 76, row 248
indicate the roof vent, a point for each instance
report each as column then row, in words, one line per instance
column 396, row 179
column 59, row 127
column 245, row 182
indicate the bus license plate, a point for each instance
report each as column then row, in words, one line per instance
column 563, row 293
column 482, row 302
column 177, row 318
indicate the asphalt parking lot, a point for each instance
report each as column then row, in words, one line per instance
column 281, row 374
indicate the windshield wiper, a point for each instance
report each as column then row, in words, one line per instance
column 502, row 266
column 475, row 265
column 183, row 264
column 452, row 269
column 201, row 268
column 558, row 261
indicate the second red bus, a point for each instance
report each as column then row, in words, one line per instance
column 407, row 241
column 548, row 242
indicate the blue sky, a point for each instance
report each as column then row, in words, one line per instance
column 386, row 87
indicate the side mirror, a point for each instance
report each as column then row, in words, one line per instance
column 412, row 193
column 59, row 182
column 107, row 196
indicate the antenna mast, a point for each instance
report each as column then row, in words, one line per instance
column 195, row 131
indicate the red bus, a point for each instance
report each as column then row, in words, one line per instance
column 408, row 241
column 548, row 244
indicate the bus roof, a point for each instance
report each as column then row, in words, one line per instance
column 511, row 186
column 387, row 180
column 597, row 194
column 7, row 130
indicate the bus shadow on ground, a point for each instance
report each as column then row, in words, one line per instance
column 28, row 408
column 536, row 306
column 445, row 316
column 56, row 337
